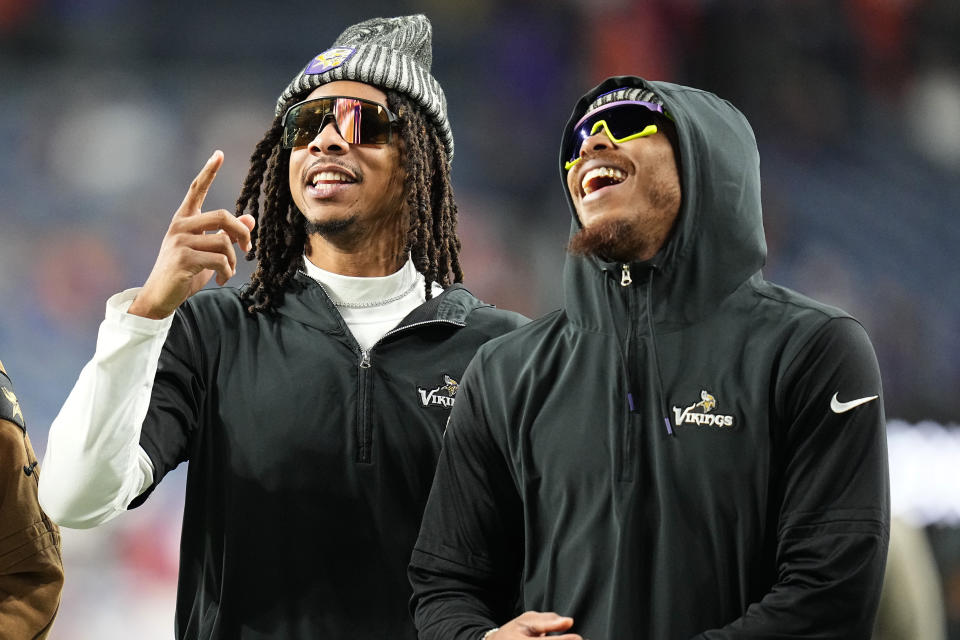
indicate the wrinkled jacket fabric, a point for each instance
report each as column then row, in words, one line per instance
column 667, row 456
column 310, row 460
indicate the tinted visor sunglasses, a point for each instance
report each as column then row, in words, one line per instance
column 358, row 121
column 622, row 120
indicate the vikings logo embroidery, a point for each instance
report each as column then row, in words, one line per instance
column 12, row 399
column 442, row 396
column 329, row 59
column 450, row 385
column 707, row 401
column 701, row 413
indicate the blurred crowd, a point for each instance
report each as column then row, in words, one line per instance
column 109, row 108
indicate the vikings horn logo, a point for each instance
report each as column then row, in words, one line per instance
column 450, row 385
column 707, row 401
column 12, row 399
column 329, row 59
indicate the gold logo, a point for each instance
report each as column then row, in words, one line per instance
column 707, row 401
column 450, row 385
column 12, row 399
column 329, row 59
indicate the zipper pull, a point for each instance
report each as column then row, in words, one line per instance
column 364, row 359
column 625, row 279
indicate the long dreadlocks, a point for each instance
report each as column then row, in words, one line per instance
column 279, row 237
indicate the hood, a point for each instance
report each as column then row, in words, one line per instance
column 717, row 242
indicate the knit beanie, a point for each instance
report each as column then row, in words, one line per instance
column 626, row 93
column 388, row 53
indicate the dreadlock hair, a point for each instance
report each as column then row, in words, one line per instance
column 279, row 237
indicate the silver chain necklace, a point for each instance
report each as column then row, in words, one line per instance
column 374, row 303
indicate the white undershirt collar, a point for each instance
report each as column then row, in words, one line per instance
column 371, row 307
column 367, row 292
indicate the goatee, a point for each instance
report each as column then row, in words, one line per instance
column 329, row 228
column 611, row 240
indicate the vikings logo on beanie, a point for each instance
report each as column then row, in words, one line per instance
column 388, row 53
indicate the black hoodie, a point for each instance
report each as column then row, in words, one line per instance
column 698, row 453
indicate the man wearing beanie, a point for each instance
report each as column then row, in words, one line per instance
column 683, row 450
column 310, row 403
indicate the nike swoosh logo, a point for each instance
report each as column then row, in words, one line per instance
column 842, row 407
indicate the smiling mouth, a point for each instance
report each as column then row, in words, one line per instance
column 327, row 177
column 601, row 177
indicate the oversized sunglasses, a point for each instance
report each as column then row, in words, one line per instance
column 622, row 120
column 358, row 121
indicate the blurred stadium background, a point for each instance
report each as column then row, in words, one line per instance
column 108, row 108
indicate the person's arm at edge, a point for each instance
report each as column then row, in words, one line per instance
column 452, row 571
column 31, row 566
column 466, row 565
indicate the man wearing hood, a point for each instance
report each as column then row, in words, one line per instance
column 684, row 450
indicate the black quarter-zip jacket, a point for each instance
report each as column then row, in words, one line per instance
column 684, row 450
column 310, row 459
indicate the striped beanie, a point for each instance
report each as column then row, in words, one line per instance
column 626, row 93
column 639, row 94
column 388, row 53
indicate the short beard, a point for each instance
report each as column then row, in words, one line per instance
column 635, row 238
column 611, row 240
column 329, row 228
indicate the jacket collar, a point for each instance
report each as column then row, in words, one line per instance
column 306, row 302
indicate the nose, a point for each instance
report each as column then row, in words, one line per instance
column 328, row 140
column 598, row 141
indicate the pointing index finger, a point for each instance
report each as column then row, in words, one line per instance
column 200, row 185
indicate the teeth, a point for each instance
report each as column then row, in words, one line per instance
column 330, row 176
column 608, row 175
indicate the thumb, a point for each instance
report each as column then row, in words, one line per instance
column 548, row 622
column 249, row 222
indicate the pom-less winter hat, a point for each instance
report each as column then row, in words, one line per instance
column 626, row 93
column 388, row 53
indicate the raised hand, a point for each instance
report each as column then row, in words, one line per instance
column 535, row 624
column 196, row 246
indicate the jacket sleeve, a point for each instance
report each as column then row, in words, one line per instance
column 93, row 465
column 128, row 420
column 466, row 564
column 834, row 518
column 176, row 400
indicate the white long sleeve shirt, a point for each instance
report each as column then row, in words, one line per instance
column 94, row 465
